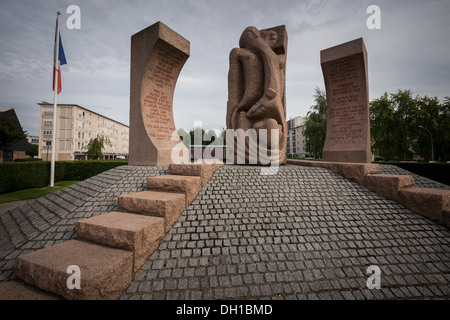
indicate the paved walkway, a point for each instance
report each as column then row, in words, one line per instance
column 48, row 220
column 304, row 233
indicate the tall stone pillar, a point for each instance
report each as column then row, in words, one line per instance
column 157, row 56
column 344, row 70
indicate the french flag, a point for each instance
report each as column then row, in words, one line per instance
column 59, row 58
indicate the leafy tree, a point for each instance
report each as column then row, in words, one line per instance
column 10, row 130
column 197, row 136
column 401, row 126
column 34, row 150
column 432, row 117
column 185, row 137
column 391, row 124
column 95, row 147
column 316, row 124
column 444, row 125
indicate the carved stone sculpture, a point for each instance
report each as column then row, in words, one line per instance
column 257, row 94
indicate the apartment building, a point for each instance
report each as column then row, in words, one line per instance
column 75, row 127
column 295, row 147
column 33, row 139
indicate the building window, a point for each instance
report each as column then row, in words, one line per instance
column 47, row 132
column 48, row 121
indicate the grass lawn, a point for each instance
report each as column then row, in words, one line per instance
column 33, row 193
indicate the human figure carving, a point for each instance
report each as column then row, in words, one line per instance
column 256, row 84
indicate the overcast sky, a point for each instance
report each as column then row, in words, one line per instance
column 410, row 51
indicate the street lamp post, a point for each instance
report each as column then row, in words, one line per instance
column 432, row 148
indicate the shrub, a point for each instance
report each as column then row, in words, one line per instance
column 23, row 175
column 81, row 170
column 36, row 174
column 27, row 159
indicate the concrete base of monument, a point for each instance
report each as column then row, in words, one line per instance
column 352, row 156
column 428, row 202
column 162, row 156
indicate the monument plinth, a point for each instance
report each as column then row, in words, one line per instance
column 344, row 70
column 157, row 56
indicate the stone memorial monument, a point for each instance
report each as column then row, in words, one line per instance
column 344, row 70
column 257, row 97
column 157, row 56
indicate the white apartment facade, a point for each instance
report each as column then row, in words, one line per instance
column 75, row 127
column 295, row 147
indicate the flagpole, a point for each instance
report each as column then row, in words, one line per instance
column 55, row 88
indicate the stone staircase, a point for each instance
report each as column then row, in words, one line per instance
column 112, row 246
column 431, row 203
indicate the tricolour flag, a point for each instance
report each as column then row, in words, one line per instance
column 60, row 60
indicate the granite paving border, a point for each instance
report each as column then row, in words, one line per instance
column 419, row 180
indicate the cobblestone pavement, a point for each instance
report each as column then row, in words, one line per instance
column 48, row 220
column 304, row 233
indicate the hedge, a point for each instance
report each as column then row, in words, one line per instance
column 27, row 159
column 439, row 172
column 25, row 175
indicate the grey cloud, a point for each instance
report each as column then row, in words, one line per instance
column 409, row 52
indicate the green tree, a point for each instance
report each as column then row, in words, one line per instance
column 34, row 150
column 432, row 117
column 444, row 125
column 401, row 125
column 185, row 137
column 95, row 147
column 197, row 136
column 316, row 124
column 10, row 130
column 391, row 120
